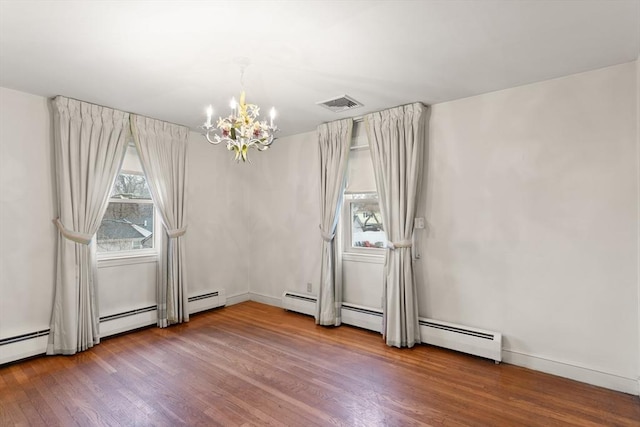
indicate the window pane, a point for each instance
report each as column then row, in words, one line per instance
column 126, row 226
column 360, row 175
column 130, row 186
column 366, row 228
column 131, row 161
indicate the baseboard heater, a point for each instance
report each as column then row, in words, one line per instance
column 35, row 343
column 474, row 341
column 22, row 346
column 207, row 301
column 127, row 313
column 362, row 317
column 300, row 303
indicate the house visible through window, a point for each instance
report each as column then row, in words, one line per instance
column 128, row 224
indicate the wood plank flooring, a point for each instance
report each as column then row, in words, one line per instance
column 253, row 364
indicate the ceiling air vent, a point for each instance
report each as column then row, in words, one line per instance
column 339, row 104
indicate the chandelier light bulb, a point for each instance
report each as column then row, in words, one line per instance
column 209, row 115
column 233, row 105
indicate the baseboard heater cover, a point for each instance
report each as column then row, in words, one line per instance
column 474, row 341
column 465, row 339
column 204, row 296
column 207, row 301
column 24, row 337
column 299, row 303
column 362, row 317
column 127, row 313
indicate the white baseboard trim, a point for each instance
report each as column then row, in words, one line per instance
column 266, row 299
column 23, row 349
column 363, row 317
column 253, row 296
column 207, row 301
column 128, row 323
column 238, row 298
column 571, row 371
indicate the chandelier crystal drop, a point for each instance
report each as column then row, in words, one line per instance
column 241, row 130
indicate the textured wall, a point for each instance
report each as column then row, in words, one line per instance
column 218, row 235
column 284, row 239
column 532, row 197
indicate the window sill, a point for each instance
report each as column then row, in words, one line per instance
column 118, row 260
column 366, row 258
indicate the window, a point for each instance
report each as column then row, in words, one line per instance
column 361, row 223
column 364, row 222
column 127, row 227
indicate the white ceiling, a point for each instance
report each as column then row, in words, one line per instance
column 169, row 59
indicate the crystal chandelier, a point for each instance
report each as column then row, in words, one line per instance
column 241, row 130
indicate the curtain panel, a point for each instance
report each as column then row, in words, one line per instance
column 89, row 145
column 397, row 139
column 334, row 140
column 162, row 148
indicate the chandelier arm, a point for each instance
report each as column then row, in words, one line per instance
column 214, row 142
column 268, row 141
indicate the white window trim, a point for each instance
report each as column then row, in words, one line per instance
column 104, row 262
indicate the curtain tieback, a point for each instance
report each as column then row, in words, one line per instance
column 82, row 238
column 177, row 232
column 326, row 237
column 401, row 244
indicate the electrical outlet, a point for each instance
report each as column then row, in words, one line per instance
column 309, row 287
column 418, row 223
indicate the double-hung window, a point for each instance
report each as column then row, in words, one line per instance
column 128, row 227
column 361, row 223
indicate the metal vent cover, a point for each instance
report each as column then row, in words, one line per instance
column 339, row 104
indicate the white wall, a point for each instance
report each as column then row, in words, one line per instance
column 532, row 196
column 27, row 236
column 217, row 239
column 126, row 286
column 362, row 281
column 638, row 170
column 284, row 217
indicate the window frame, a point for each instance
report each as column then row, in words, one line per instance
column 140, row 254
column 346, row 227
column 344, row 231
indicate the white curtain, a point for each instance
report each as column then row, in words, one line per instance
column 334, row 140
column 162, row 148
column 89, row 144
column 397, row 138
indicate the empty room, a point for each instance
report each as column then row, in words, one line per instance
column 313, row 213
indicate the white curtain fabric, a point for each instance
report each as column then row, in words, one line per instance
column 397, row 139
column 162, row 148
column 89, row 144
column 334, row 140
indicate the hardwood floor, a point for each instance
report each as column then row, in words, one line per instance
column 252, row 364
